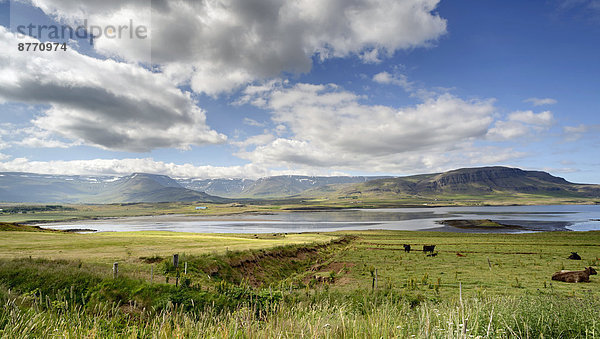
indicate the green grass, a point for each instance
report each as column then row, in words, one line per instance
column 501, row 264
column 130, row 246
column 317, row 315
column 236, row 286
column 8, row 227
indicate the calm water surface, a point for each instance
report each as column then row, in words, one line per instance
column 532, row 218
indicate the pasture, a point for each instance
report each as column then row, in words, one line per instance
column 484, row 264
column 477, row 285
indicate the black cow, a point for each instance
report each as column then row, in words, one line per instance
column 574, row 256
column 428, row 248
column 406, row 248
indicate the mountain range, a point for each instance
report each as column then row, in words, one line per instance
column 476, row 182
column 137, row 187
column 269, row 187
column 143, row 187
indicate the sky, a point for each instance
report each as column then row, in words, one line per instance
column 253, row 88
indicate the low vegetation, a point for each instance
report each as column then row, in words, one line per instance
column 129, row 247
column 6, row 227
column 345, row 284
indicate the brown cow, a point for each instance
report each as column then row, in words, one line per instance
column 574, row 276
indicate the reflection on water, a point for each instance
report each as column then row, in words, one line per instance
column 532, row 218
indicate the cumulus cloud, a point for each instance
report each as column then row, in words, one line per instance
column 540, row 119
column 217, row 46
column 520, row 124
column 394, row 79
column 541, row 101
column 104, row 103
column 330, row 127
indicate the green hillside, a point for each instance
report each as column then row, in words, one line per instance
column 485, row 183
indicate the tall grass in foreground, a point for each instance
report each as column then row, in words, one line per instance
column 326, row 316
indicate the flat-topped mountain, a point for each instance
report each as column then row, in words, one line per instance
column 481, row 180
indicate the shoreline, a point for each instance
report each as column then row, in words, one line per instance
column 309, row 209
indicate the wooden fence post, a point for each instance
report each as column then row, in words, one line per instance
column 115, row 270
column 176, row 260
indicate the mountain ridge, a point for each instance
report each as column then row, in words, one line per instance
column 145, row 187
column 482, row 180
column 136, row 187
column 268, row 187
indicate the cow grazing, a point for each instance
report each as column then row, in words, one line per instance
column 574, row 276
column 406, row 248
column 574, row 256
column 428, row 248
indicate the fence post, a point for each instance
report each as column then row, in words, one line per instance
column 115, row 270
column 176, row 260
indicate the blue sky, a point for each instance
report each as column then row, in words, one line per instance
column 255, row 88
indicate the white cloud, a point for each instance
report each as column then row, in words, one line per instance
column 228, row 43
column 102, row 103
column 540, row 119
column 330, row 128
column 35, row 142
column 3, row 144
column 370, row 57
column 541, row 101
column 520, row 124
column 574, row 133
column 31, row 137
column 576, row 129
column 563, row 170
column 394, row 79
column 146, row 165
column 252, row 122
column 507, row 130
column 260, row 139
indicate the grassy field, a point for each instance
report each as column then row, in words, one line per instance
column 297, row 285
column 130, row 246
column 486, row 264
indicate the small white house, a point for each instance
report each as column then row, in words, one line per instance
column 201, row 207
